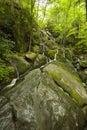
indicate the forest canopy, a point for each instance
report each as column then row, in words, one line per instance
column 65, row 19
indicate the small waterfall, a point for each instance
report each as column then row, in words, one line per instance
column 41, row 43
column 77, row 66
column 55, row 56
column 63, row 50
column 42, row 48
column 13, row 82
column 70, row 54
column 48, row 60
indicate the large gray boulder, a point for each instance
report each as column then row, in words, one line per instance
column 38, row 103
column 65, row 76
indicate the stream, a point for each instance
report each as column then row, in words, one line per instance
column 49, row 97
column 14, row 81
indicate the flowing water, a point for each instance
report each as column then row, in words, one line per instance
column 63, row 50
column 55, row 56
column 13, row 82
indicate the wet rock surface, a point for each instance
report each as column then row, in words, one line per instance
column 38, row 103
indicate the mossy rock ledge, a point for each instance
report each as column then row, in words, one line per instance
column 38, row 103
column 68, row 80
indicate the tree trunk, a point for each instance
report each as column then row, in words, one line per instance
column 32, row 3
column 12, row 6
column 86, row 8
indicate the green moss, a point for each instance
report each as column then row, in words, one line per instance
column 50, row 53
column 30, row 56
column 21, row 64
column 74, row 94
column 36, row 49
column 68, row 81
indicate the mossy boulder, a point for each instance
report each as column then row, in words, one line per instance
column 20, row 63
column 82, row 60
column 36, row 49
column 40, row 60
column 83, row 74
column 50, row 53
column 85, row 71
column 83, row 63
column 30, row 56
column 67, row 79
column 38, row 103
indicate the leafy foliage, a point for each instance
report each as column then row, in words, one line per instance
column 5, row 71
column 64, row 20
column 17, row 20
column 22, row 20
column 81, row 45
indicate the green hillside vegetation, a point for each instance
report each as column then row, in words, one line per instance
column 23, row 23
